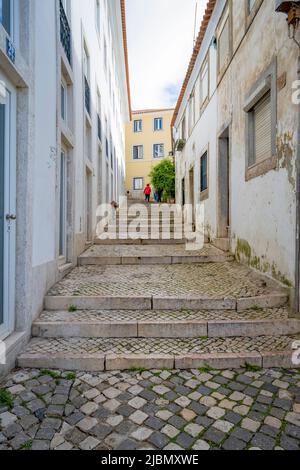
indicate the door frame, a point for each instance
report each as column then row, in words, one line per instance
column 224, row 175
column 63, row 257
column 10, row 203
column 192, row 192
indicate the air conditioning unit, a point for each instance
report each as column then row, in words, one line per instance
column 285, row 6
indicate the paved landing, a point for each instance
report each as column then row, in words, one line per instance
column 215, row 280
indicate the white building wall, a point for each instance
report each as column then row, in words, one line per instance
column 45, row 150
column 262, row 210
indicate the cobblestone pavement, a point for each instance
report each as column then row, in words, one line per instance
column 221, row 280
column 172, row 410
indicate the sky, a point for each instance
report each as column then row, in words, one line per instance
column 160, row 43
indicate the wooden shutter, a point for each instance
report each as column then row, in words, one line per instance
column 263, row 129
column 224, row 45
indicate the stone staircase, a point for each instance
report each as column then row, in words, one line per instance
column 153, row 304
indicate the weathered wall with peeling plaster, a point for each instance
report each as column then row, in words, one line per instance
column 263, row 208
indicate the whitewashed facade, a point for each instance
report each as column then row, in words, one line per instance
column 237, row 125
column 64, row 105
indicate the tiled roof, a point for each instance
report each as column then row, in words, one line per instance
column 123, row 13
column 145, row 111
column 206, row 19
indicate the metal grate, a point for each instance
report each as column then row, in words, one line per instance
column 65, row 33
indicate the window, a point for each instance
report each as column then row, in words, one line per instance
column 261, row 122
column 158, row 151
column 86, row 63
column 262, row 130
column 6, row 15
column 224, row 42
column 183, row 129
column 105, row 54
column 251, row 4
column 98, row 15
column 138, row 152
column 204, row 172
column 64, row 101
column 99, row 106
column 138, row 125
column 204, row 82
column 191, row 112
column 138, row 184
column 158, row 124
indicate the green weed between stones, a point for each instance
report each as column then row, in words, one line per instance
column 26, row 446
column 252, row 368
column 71, row 376
column 6, row 398
column 137, row 370
column 72, row 309
column 206, row 369
column 50, row 373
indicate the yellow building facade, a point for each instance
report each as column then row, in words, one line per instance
column 148, row 142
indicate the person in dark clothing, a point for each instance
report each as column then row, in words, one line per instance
column 159, row 195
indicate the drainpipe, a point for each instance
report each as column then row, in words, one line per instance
column 297, row 267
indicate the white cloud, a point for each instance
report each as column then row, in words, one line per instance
column 160, row 42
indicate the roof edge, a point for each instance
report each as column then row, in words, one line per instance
column 203, row 28
column 125, row 44
column 149, row 111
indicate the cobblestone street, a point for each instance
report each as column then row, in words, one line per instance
column 171, row 410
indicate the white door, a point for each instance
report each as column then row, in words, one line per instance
column 7, row 206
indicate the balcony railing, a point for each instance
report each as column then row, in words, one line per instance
column 87, row 94
column 99, row 128
column 65, row 33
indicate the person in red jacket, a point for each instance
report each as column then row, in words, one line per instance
column 147, row 192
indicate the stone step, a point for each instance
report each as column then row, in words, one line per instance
column 99, row 354
column 168, row 254
column 123, row 239
column 165, row 324
column 222, row 243
column 209, row 286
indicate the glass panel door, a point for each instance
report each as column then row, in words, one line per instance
column 2, row 228
column 7, row 206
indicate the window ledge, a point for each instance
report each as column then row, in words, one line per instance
column 204, row 195
column 262, row 168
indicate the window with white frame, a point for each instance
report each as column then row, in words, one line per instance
column 223, row 38
column 138, row 125
column 158, row 151
column 158, row 124
column 191, row 107
column 105, row 58
column 204, row 82
column 138, row 152
column 98, row 15
column 86, row 63
column 183, row 128
column 138, row 184
column 64, row 98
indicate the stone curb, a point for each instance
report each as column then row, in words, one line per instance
column 165, row 328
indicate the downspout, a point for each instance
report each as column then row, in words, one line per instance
column 297, row 267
